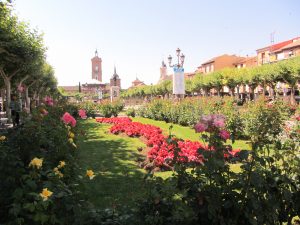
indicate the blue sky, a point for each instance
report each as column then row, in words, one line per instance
column 136, row 35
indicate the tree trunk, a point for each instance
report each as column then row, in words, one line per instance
column 271, row 91
column 292, row 99
column 27, row 99
column 2, row 96
column 238, row 91
column 8, row 97
column 232, row 92
column 7, row 81
column 219, row 92
column 264, row 89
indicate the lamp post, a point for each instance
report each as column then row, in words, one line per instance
column 178, row 76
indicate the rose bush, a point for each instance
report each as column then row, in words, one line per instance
column 39, row 170
column 264, row 191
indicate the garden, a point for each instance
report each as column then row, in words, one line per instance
column 198, row 160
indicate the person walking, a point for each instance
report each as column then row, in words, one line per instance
column 15, row 110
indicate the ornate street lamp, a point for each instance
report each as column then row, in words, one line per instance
column 178, row 76
column 180, row 59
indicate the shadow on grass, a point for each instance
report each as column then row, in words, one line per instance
column 118, row 179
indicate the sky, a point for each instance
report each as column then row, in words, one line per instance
column 136, row 35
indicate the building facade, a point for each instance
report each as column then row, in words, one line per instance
column 93, row 87
column 218, row 63
column 279, row 51
column 137, row 83
column 246, row 62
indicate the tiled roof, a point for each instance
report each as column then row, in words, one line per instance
column 292, row 45
column 69, row 88
column 279, row 45
column 244, row 59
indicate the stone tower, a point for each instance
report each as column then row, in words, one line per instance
column 163, row 71
column 96, row 67
column 115, row 86
column 115, row 79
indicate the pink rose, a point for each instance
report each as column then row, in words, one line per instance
column 68, row 119
column 82, row 113
column 224, row 134
column 219, row 123
column 200, row 127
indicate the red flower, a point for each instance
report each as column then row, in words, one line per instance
column 82, row 113
column 161, row 152
column 68, row 119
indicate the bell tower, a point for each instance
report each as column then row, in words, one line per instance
column 96, row 67
column 163, row 71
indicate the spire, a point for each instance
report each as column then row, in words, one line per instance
column 96, row 53
column 115, row 71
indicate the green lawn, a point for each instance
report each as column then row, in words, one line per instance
column 118, row 179
column 185, row 132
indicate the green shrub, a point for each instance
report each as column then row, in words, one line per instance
column 130, row 112
column 263, row 122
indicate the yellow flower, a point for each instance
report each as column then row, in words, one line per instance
column 45, row 194
column 71, row 135
column 58, row 173
column 71, row 140
column 90, row 174
column 36, row 162
column 61, row 164
column 2, row 138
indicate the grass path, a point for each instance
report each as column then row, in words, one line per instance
column 112, row 157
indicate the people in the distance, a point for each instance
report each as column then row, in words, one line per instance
column 15, row 110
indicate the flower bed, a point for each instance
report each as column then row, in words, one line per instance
column 161, row 153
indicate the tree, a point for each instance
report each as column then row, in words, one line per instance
column 20, row 49
column 290, row 73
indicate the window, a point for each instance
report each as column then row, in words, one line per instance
column 207, row 69
column 211, row 67
column 96, row 68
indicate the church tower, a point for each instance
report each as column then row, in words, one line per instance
column 115, row 79
column 96, row 67
column 115, row 86
column 163, row 71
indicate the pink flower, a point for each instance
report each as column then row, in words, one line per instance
column 224, row 134
column 298, row 118
column 219, row 123
column 48, row 101
column 200, row 127
column 68, row 119
column 82, row 113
